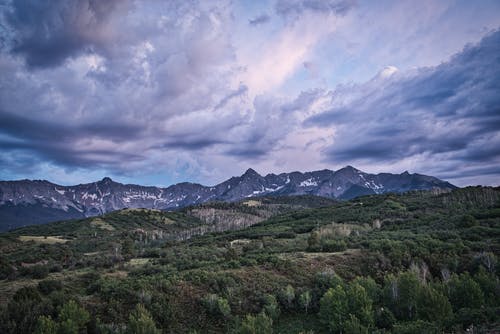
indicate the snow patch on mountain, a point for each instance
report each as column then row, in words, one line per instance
column 308, row 183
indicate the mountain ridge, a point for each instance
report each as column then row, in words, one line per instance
column 47, row 201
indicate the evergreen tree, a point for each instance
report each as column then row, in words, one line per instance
column 46, row 325
column 260, row 324
column 140, row 322
column 73, row 316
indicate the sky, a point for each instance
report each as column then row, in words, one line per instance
column 160, row 92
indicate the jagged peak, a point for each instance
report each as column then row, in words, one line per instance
column 348, row 168
column 106, row 179
column 251, row 172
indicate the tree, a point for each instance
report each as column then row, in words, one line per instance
column 6, row 268
column 360, row 304
column 24, row 309
column 72, row 311
column 47, row 286
column 384, row 318
column 271, row 307
column 128, row 248
column 305, row 300
column 371, row 287
column 433, row 306
column 333, row 309
column 463, row 291
column 327, row 279
column 67, row 327
column 72, row 319
column 490, row 286
column 140, row 322
column 401, row 295
column 260, row 324
column 217, row 306
column 353, row 326
column 223, row 307
column 288, row 296
column 314, row 242
column 46, row 325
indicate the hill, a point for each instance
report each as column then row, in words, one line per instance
column 395, row 263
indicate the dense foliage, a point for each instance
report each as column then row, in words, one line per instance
column 419, row 262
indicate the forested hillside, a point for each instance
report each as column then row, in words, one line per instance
column 418, row 262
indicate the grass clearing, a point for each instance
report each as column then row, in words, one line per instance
column 116, row 274
column 98, row 222
column 316, row 255
column 43, row 239
column 138, row 261
column 252, row 203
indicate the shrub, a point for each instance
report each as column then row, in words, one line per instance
column 334, row 245
column 271, row 307
column 415, row 327
column 47, row 286
column 217, row 306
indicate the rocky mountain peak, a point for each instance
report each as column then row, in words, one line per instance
column 106, row 180
column 53, row 202
column 251, row 173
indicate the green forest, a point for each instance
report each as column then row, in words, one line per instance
column 419, row 262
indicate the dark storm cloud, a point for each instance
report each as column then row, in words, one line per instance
column 150, row 86
column 55, row 141
column 247, row 152
column 451, row 111
column 39, row 130
column 261, row 19
column 62, row 154
column 191, row 144
column 157, row 88
column 46, row 33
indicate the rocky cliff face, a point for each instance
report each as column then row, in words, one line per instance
column 31, row 202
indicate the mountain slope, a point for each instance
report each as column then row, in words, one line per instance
column 30, row 202
column 168, row 260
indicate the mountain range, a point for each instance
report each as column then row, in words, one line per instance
column 27, row 202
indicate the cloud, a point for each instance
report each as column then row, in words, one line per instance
column 46, row 33
column 295, row 8
column 284, row 52
column 189, row 91
column 258, row 20
column 449, row 114
column 116, row 100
